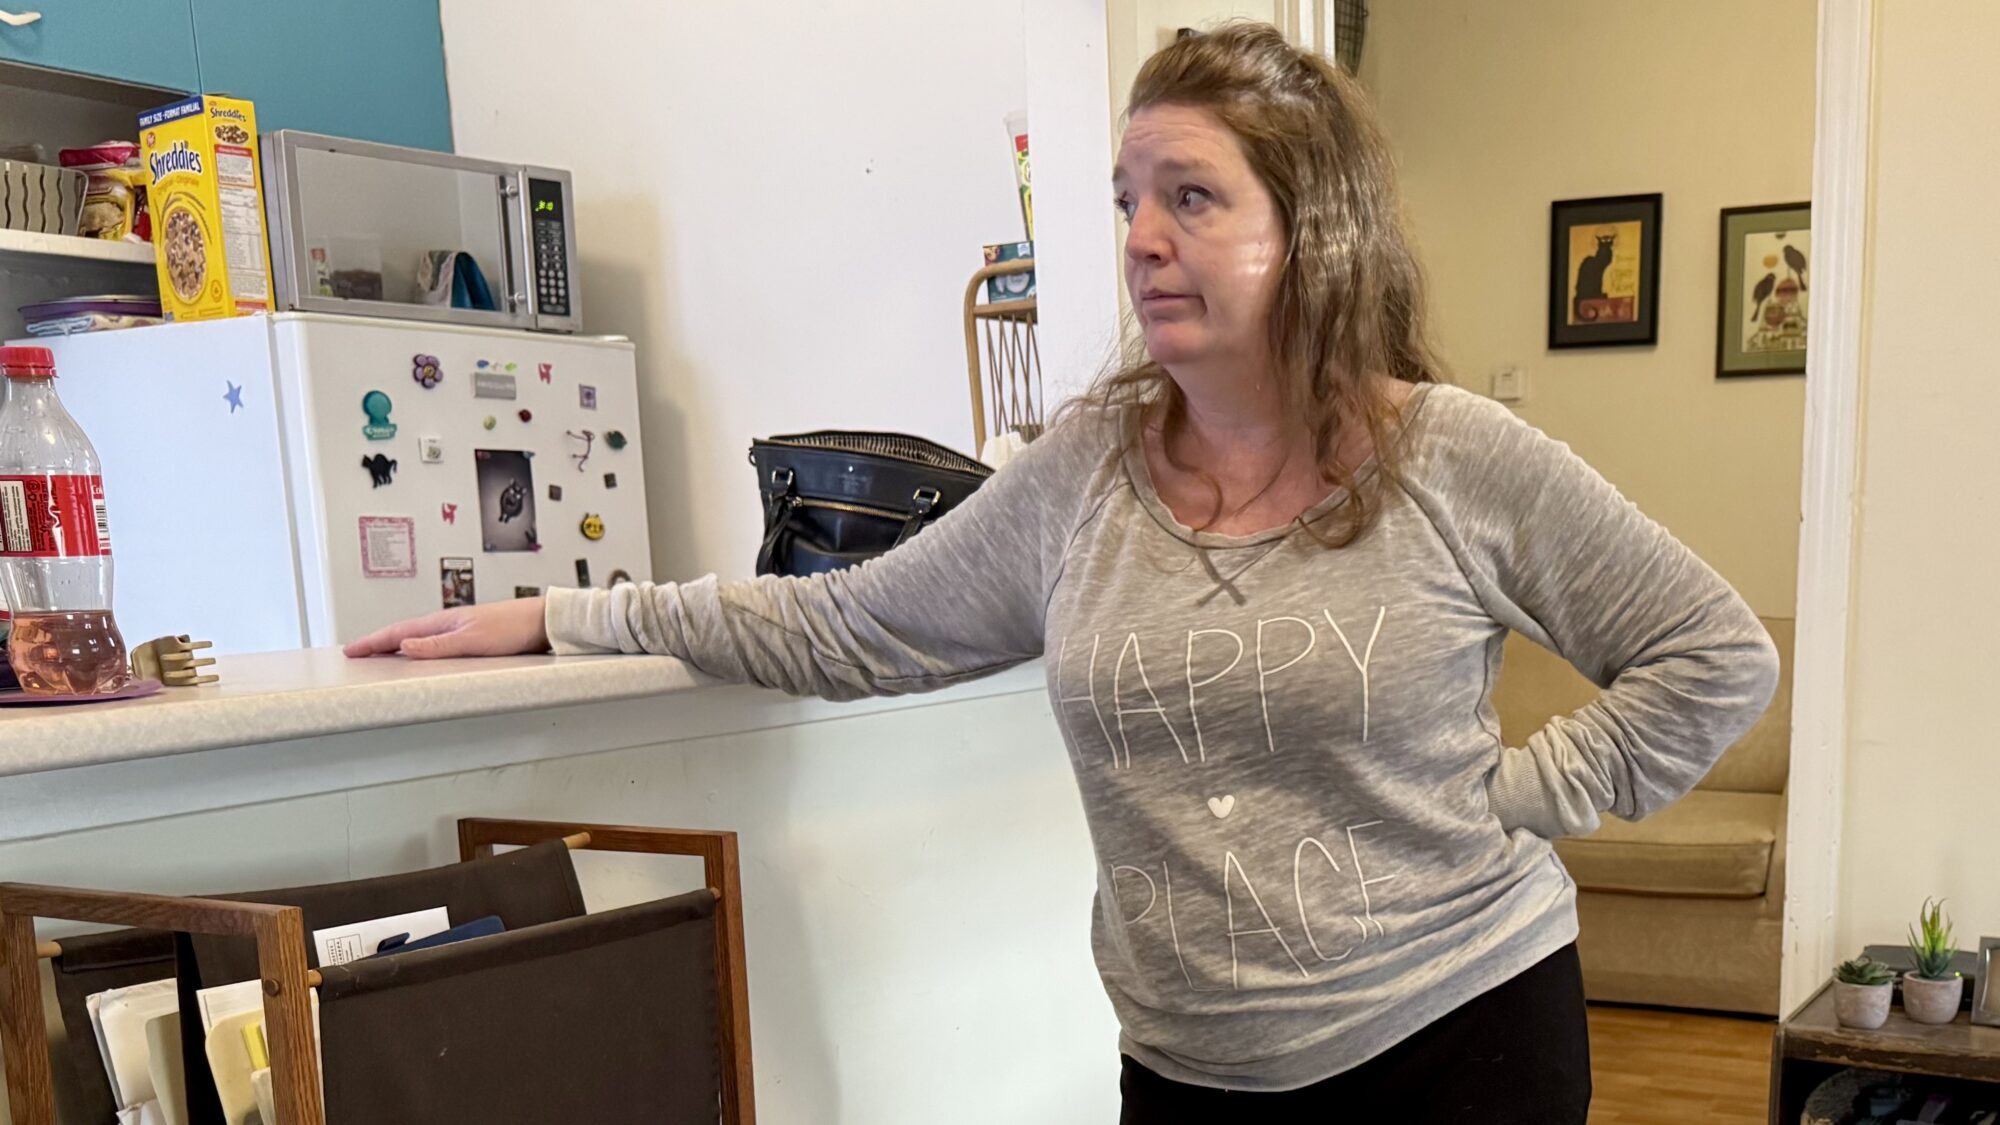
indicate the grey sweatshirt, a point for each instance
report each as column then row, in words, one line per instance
column 1310, row 839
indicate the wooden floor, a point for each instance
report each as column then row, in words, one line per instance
column 1652, row 1067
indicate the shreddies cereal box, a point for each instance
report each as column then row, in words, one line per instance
column 207, row 194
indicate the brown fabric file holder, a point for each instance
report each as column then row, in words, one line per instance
column 692, row 975
column 525, row 888
column 605, row 1018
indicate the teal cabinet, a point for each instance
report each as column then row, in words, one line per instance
column 148, row 42
column 371, row 69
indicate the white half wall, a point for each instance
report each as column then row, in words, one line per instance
column 916, row 881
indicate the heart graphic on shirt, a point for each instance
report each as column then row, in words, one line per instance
column 1222, row 806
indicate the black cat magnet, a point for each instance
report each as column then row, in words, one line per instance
column 381, row 469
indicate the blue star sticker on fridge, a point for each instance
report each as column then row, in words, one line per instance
column 297, row 480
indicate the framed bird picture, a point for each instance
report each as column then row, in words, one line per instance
column 1604, row 271
column 1766, row 290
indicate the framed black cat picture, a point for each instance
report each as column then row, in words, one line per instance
column 1604, row 271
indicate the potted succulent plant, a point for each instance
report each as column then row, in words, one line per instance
column 1932, row 989
column 1861, row 991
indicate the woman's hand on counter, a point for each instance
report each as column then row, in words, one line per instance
column 499, row 629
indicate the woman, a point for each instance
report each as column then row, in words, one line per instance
column 1271, row 568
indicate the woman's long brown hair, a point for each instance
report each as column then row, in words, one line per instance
column 1350, row 297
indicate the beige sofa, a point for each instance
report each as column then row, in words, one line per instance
column 1684, row 908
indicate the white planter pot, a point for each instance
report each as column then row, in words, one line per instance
column 1864, row 1006
column 1932, row 1001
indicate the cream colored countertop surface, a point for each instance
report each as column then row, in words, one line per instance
column 279, row 696
column 282, row 697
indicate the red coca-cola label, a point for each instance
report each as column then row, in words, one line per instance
column 46, row 516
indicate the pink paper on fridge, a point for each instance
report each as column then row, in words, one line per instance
column 388, row 547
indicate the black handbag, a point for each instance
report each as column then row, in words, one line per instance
column 836, row 498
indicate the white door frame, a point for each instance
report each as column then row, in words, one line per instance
column 1828, row 494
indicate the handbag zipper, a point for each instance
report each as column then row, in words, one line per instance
column 841, row 506
column 811, row 447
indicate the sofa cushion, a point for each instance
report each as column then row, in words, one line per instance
column 1712, row 844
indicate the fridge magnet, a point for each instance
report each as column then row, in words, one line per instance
column 494, row 365
column 455, row 582
column 488, row 384
column 388, row 547
column 430, row 449
column 1766, row 257
column 449, row 512
column 588, row 438
column 527, row 591
column 618, row 576
column 489, row 422
column 506, row 500
column 526, row 415
column 545, row 370
column 615, row 439
column 592, row 526
column 555, row 492
column 611, row 480
column 376, row 405
column 586, row 397
column 425, row 370
column 381, row 469
column 1604, row 271
column 583, row 572
column 233, row 396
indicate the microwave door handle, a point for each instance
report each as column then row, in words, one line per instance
column 520, row 268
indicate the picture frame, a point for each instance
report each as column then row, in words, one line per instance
column 1763, row 290
column 1985, row 997
column 1604, row 271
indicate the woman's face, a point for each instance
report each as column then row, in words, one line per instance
column 1205, row 244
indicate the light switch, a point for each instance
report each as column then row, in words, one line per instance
column 1509, row 384
column 430, row 449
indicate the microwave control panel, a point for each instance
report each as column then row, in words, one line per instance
column 546, row 223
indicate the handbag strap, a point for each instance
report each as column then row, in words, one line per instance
column 778, row 503
column 921, row 506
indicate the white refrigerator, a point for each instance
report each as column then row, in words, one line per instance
column 298, row 480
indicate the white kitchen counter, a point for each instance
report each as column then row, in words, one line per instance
column 279, row 696
column 288, row 724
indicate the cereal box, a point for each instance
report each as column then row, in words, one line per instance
column 1013, row 286
column 205, row 187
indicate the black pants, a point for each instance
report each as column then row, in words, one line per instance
column 1518, row 1055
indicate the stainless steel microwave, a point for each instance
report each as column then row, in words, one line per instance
column 377, row 230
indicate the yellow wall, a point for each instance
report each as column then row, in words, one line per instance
column 1923, row 781
column 1497, row 109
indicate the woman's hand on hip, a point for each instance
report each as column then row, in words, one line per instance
column 498, row 629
